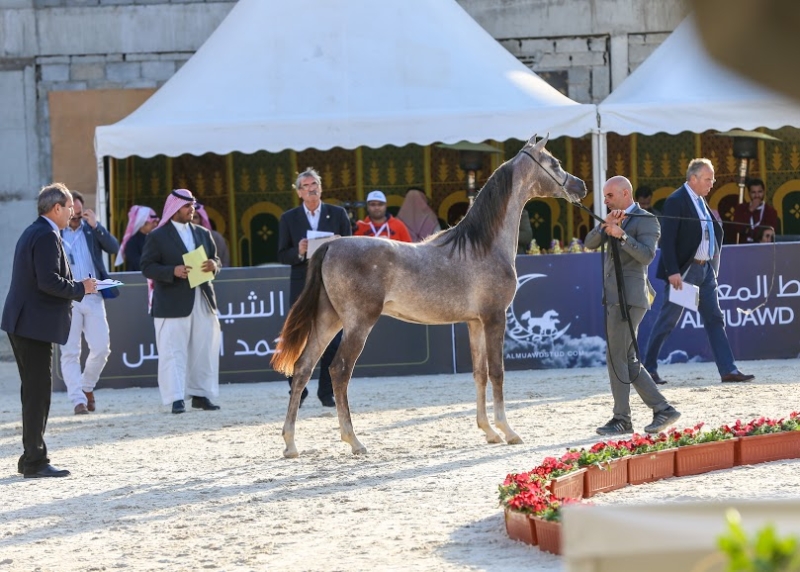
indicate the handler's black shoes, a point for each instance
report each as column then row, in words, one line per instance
column 662, row 420
column 615, row 427
column 178, row 406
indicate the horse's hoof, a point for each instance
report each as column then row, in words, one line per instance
column 291, row 453
column 515, row 440
column 494, row 438
column 359, row 450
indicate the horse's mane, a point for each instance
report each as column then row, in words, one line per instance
column 480, row 225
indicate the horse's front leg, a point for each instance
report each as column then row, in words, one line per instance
column 494, row 351
column 477, row 346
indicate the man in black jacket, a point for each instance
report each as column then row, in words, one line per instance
column 84, row 241
column 293, row 229
column 185, row 318
column 36, row 315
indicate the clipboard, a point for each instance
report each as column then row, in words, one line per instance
column 688, row 297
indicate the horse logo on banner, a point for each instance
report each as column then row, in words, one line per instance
column 532, row 329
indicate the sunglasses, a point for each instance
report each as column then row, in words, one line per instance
column 153, row 217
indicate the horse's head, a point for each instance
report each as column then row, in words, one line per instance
column 542, row 174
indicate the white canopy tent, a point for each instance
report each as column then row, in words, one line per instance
column 310, row 74
column 681, row 88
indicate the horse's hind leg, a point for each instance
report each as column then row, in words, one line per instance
column 302, row 373
column 341, row 370
column 494, row 331
column 477, row 345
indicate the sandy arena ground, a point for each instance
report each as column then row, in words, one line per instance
column 211, row 490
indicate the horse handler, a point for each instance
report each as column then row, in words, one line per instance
column 636, row 238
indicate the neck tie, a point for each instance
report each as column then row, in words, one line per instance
column 709, row 226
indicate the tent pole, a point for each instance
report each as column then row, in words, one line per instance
column 599, row 167
column 100, row 202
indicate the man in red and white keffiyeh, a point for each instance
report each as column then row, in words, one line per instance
column 185, row 317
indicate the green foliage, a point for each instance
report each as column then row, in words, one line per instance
column 766, row 552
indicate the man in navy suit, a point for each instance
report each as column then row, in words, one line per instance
column 690, row 247
column 293, row 229
column 84, row 241
column 37, row 314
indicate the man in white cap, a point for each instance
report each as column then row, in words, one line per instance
column 379, row 223
column 185, row 318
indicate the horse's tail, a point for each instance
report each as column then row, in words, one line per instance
column 301, row 319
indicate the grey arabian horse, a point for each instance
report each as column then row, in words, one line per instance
column 462, row 274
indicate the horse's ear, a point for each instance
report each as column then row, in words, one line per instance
column 542, row 142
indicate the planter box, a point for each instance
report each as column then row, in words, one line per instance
column 650, row 467
column 549, row 535
column 612, row 476
column 569, row 486
column 519, row 526
column 705, row 457
column 764, row 448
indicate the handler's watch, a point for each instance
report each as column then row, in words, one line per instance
column 624, row 237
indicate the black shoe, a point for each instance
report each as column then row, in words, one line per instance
column 203, row 403
column 178, row 406
column 662, row 420
column 327, row 401
column 657, row 378
column 737, row 376
column 47, row 471
column 615, row 427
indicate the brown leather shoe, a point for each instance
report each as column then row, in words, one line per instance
column 90, row 399
column 737, row 377
column 81, row 409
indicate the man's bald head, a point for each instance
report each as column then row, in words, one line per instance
column 618, row 193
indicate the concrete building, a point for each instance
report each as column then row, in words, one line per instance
column 69, row 65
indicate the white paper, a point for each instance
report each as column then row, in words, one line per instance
column 311, row 234
column 688, row 297
column 315, row 243
column 108, row 283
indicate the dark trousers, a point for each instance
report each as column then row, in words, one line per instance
column 34, row 360
column 325, row 388
column 704, row 277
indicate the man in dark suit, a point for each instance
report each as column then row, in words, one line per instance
column 85, row 240
column 185, row 318
column 690, row 249
column 36, row 315
column 637, row 233
column 293, row 229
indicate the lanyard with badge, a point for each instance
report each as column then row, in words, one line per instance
column 380, row 230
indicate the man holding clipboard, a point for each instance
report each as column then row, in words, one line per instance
column 690, row 247
column 184, row 305
column 300, row 230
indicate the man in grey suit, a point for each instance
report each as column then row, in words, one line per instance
column 637, row 233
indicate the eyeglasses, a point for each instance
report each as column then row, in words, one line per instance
column 153, row 217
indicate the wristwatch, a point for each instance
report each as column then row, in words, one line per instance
column 624, row 237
